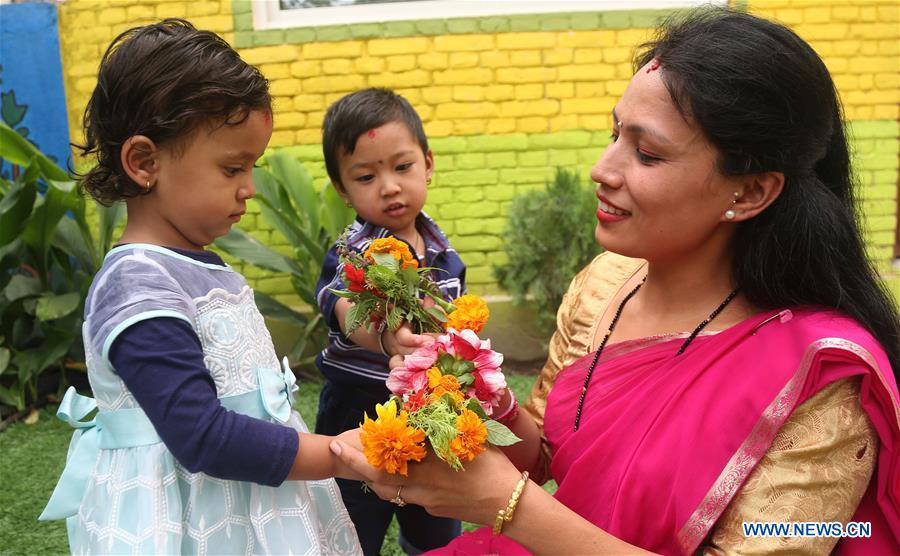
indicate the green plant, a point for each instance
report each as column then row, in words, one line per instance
column 548, row 239
column 311, row 221
column 48, row 257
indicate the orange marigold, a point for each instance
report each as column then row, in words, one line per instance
column 471, row 436
column 471, row 312
column 395, row 247
column 441, row 384
column 388, row 442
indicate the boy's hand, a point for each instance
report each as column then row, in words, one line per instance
column 404, row 341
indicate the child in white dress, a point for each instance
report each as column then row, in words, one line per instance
column 195, row 447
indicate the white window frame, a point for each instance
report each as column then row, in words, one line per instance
column 267, row 14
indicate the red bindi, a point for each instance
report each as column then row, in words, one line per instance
column 372, row 133
column 654, row 65
column 267, row 117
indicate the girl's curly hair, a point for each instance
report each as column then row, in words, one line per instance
column 163, row 81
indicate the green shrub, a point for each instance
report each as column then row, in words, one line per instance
column 549, row 237
column 311, row 221
column 48, row 257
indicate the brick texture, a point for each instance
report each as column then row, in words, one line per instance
column 504, row 100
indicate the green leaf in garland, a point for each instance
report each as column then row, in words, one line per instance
column 500, row 435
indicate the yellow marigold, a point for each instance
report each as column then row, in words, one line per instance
column 395, row 247
column 441, row 384
column 388, row 442
column 471, row 436
column 471, row 312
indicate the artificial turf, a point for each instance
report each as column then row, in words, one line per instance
column 32, row 458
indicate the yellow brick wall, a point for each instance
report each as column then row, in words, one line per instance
column 504, row 107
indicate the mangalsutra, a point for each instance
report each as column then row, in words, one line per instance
column 612, row 325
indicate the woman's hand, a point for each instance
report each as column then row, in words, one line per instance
column 474, row 495
column 350, row 439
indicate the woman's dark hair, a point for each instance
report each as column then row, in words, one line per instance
column 164, row 81
column 765, row 99
column 357, row 113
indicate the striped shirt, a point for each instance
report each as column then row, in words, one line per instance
column 342, row 361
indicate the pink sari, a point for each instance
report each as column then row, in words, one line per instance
column 666, row 442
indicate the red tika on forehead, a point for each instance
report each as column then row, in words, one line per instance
column 267, row 117
column 372, row 133
column 654, row 65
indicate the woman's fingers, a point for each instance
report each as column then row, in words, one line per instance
column 384, row 485
column 356, row 460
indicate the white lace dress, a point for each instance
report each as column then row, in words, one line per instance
column 127, row 492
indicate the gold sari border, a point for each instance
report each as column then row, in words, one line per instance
column 760, row 439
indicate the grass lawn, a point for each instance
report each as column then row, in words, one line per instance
column 32, row 460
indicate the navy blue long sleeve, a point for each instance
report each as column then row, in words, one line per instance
column 161, row 362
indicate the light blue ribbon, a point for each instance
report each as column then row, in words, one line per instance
column 127, row 428
column 277, row 390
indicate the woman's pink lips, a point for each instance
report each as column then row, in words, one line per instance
column 607, row 217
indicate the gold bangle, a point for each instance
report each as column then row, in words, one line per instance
column 505, row 515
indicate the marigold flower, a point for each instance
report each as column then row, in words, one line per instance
column 388, row 442
column 471, row 313
column 395, row 247
column 471, row 436
column 441, row 384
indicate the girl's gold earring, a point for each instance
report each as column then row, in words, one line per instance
column 427, row 181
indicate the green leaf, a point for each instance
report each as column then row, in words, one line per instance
column 274, row 309
column 15, row 208
column 446, row 362
column 500, row 435
column 356, row 317
column 465, row 379
column 51, row 307
column 4, row 359
column 475, row 407
column 22, row 286
column 336, row 215
column 437, row 314
column 69, row 237
column 17, row 150
column 242, row 245
column 386, row 259
column 285, row 221
column 343, row 293
column 110, row 218
column 13, row 396
column 299, row 185
column 41, row 226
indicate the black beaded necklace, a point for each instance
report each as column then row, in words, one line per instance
column 612, row 325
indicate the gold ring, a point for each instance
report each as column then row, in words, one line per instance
column 397, row 499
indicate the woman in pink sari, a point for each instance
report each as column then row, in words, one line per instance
column 730, row 360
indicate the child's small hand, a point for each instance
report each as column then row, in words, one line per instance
column 404, row 341
column 341, row 469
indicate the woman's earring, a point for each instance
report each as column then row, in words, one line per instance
column 427, row 182
column 730, row 214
